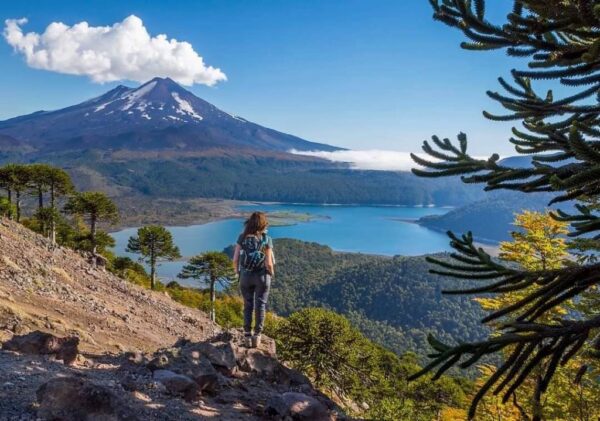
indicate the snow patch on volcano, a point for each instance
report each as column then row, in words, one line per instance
column 185, row 107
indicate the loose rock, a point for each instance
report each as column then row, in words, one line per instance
column 175, row 383
column 159, row 362
column 205, row 375
column 298, row 406
column 45, row 343
column 73, row 399
column 220, row 354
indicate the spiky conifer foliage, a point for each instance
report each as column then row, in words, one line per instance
column 560, row 39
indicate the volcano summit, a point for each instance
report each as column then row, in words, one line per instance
column 158, row 115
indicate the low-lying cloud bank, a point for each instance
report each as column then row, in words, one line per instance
column 375, row 159
column 123, row 51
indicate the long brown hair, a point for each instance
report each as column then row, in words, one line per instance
column 255, row 224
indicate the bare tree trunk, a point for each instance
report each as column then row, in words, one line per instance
column 18, row 205
column 213, row 298
column 152, row 271
column 40, row 207
column 93, row 233
column 9, row 194
column 52, row 222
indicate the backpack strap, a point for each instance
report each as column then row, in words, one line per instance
column 264, row 241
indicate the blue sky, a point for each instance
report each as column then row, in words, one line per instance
column 361, row 74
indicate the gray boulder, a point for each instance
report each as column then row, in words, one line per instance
column 204, row 374
column 75, row 399
column 175, row 383
column 38, row 342
column 297, row 406
column 220, row 354
column 255, row 361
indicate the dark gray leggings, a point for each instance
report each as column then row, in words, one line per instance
column 255, row 290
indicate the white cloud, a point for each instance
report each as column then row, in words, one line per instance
column 123, row 51
column 374, row 159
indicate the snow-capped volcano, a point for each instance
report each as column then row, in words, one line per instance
column 160, row 99
column 159, row 114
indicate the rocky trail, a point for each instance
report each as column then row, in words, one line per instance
column 79, row 343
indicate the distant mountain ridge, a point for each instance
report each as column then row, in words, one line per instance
column 526, row 161
column 160, row 140
column 157, row 115
column 491, row 219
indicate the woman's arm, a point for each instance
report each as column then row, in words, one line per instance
column 269, row 261
column 236, row 259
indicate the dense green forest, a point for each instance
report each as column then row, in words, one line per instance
column 259, row 178
column 394, row 301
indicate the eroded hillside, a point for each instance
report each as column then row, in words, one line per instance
column 137, row 355
column 54, row 288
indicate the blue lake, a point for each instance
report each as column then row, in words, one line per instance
column 384, row 230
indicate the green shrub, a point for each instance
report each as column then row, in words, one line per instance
column 7, row 209
column 345, row 364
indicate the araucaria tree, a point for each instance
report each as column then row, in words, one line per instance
column 95, row 207
column 15, row 179
column 560, row 39
column 56, row 182
column 7, row 183
column 153, row 243
column 38, row 181
column 214, row 267
column 59, row 184
column 325, row 346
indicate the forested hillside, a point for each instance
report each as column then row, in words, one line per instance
column 271, row 179
column 252, row 176
column 141, row 141
column 394, row 301
column 489, row 219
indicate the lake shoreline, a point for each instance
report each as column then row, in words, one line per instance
column 366, row 205
column 138, row 211
column 366, row 230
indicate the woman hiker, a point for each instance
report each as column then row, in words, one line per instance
column 254, row 263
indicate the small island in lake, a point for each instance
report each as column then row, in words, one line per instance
column 288, row 218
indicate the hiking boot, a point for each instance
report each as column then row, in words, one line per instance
column 248, row 341
column 255, row 341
